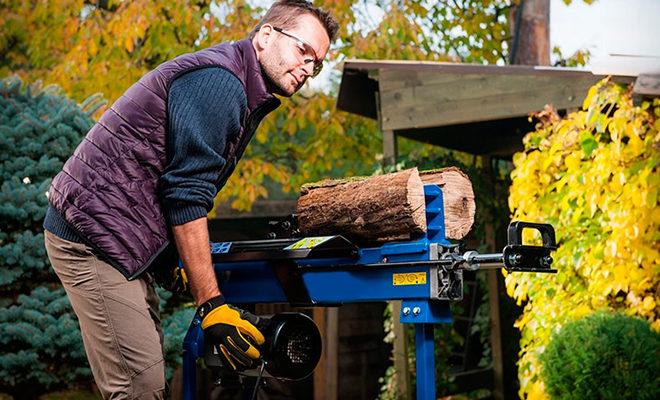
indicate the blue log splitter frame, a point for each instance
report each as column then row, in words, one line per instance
column 351, row 280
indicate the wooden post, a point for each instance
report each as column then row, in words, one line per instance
column 399, row 347
column 492, row 277
column 400, row 353
column 389, row 148
column 389, row 138
column 495, row 331
column 319, row 314
column 326, row 372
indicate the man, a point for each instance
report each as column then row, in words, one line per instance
column 142, row 181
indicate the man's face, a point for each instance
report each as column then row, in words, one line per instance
column 288, row 55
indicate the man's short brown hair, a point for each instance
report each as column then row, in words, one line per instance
column 284, row 14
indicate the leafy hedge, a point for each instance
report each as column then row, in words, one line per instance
column 594, row 176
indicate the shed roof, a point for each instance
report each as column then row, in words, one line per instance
column 480, row 109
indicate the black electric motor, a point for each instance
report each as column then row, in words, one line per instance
column 291, row 351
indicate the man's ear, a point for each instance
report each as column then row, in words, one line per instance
column 264, row 36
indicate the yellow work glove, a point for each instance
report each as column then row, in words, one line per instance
column 232, row 332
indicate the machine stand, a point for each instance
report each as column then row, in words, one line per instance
column 424, row 314
column 193, row 345
column 425, row 363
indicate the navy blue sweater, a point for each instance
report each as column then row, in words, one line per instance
column 204, row 107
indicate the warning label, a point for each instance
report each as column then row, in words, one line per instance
column 409, row 278
column 308, row 243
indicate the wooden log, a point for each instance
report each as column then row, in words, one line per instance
column 385, row 207
column 380, row 208
column 458, row 199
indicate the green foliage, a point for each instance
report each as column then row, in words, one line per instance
column 38, row 131
column 594, row 176
column 39, row 128
column 175, row 327
column 41, row 341
column 603, row 356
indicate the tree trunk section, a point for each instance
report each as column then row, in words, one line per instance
column 386, row 207
column 533, row 38
column 380, row 208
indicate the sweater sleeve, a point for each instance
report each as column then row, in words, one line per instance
column 204, row 107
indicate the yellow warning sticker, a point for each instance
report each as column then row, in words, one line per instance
column 409, row 278
column 308, row 243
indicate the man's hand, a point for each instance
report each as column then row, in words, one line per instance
column 233, row 331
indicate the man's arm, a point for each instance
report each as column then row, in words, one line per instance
column 192, row 242
column 205, row 107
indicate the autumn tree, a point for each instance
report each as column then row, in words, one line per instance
column 89, row 47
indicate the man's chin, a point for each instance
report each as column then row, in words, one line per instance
column 277, row 88
column 285, row 91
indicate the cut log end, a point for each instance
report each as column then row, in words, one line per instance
column 458, row 199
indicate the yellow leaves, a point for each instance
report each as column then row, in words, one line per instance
column 572, row 162
column 590, row 96
column 648, row 304
column 655, row 325
column 537, row 391
column 91, row 47
column 128, row 44
column 603, row 195
column 581, row 311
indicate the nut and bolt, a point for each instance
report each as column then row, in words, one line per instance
column 515, row 258
column 547, row 261
column 406, row 310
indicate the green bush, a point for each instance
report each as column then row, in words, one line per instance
column 41, row 343
column 603, row 356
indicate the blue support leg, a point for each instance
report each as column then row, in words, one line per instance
column 425, row 354
column 193, row 344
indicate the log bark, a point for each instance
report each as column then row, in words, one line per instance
column 458, row 199
column 385, row 208
column 380, row 208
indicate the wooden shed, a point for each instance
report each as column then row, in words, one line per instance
column 479, row 109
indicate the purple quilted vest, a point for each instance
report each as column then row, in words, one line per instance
column 108, row 189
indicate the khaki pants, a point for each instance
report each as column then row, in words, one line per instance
column 119, row 321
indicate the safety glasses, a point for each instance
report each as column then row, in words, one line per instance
column 306, row 50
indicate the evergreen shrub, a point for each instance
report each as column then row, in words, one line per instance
column 603, row 356
column 42, row 346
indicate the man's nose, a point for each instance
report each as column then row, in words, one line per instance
column 308, row 67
